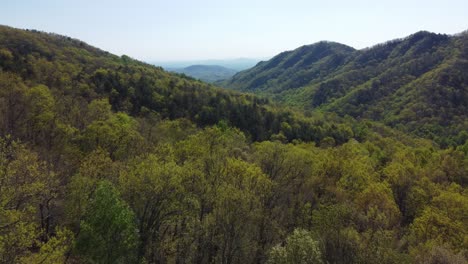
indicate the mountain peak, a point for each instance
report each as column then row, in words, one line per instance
column 294, row 68
column 372, row 81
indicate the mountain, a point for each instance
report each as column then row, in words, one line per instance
column 83, row 131
column 291, row 69
column 81, row 73
column 207, row 73
column 105, row 159
column 238, row 64
column 417, row 83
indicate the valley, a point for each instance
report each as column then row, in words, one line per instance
column 322, row 154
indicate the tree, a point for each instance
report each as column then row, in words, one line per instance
column 238, row 209
column 441, row 255
column 377, row 207
column 116, row 134
column 154, row 188
column 108, row 231
column 442, row 223
column 12, row 105
column 23, row 185
column 300, row 248
column 54, row 251
column 95, row 167
column 333, row 225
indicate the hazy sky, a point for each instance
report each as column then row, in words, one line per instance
column 157, row 30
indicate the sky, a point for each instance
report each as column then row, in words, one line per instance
column 177, row 30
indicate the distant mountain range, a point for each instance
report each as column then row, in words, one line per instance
column 238, row 64
column 418, row 83
column 207, row 73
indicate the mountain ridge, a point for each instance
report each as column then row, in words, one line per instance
column 140, row 89
column 319, row 51
column 105, row 159
column 360, row 83
column 207, row 73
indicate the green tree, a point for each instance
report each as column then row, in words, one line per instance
column 377, row 207
column 300, row 248
column 117, row 135
column 333, row 224
column 442, row 223
column 23, row 186
column 108, row 232
column 154, row 189
column 54, row 251
column 238, row 209
column 12, row 105
column 95, row 167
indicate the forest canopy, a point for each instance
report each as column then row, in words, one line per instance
column 104, row 159
column 416, row 84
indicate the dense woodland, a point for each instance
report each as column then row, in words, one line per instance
column 104, row 159
column 418, row 84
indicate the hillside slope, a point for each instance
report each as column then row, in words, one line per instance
column 104, row 159
column 418, row 83
column 291, row 69
column 78, row 73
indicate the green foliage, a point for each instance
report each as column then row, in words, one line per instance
column 443, row 222
column 95, row 167
column 379, row 207
column 26, row 190
column 13, row 101
column 79, row 74
column 117, row 135
column 108, row 232
column 292, row 69
column 339, row 239
column 41, row 106
column 416, row 84
column 300, row 248
column 53, row 251
column 141, row 165
column 153, row 188
column 441, row 255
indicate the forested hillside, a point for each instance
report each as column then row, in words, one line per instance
column 292, row 69
column 104, row 159
column 418, row 84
